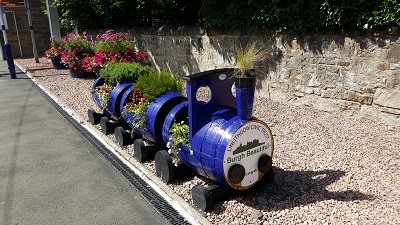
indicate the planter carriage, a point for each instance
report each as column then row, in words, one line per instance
column 227, row 144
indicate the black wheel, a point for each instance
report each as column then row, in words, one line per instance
column 202, row 198
column 164, row 166
column 139, row 150
column 107, row 127
column 123, row 137
column 94, row 117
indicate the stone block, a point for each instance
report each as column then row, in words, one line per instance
column 356, row 97
column 394, row 53
column 343, row 63
column 384, row 66
column 390, row 111
column 395, row 66
column 298, row 94
column 388, row 98
column 348, row 80
column 349, row 106
column 381, row 114
column 314, row 81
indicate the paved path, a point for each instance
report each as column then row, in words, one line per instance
column 50, row 174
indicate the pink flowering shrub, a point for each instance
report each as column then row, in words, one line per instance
column 77, row 48
column 56, row 48
column 111, row 47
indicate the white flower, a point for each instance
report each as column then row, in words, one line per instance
column 170, row 151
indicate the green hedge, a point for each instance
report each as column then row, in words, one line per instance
column 82, row 15
column 299, row 16
column 124, row 72
column 295, row 16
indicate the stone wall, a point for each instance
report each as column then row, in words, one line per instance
column 40, row 25
column 348, row 74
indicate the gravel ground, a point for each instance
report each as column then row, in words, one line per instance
column 328, row 169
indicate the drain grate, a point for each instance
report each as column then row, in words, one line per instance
column 170, row 214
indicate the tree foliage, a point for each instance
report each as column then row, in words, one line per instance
column 281, row 15
column 301, row 15
column 88, row 14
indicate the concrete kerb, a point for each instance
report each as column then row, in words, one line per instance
column 187, row 211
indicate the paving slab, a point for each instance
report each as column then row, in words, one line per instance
column 50, row 174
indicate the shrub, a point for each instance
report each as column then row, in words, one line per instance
column 111, row 47
column 56, row 47
column 156, row 84
column 77, row 47
column 124, row 72
column 146, row 89
column 110, row 41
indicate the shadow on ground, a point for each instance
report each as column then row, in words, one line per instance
column 295, row 188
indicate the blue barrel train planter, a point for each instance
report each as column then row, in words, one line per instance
column 112, row 110
column 227, row 144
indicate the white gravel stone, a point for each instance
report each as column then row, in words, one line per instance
column 329, row 169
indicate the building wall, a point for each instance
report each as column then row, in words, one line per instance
column 353, row 74
column 40, row 27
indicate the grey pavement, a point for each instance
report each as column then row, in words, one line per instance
column 50, row 174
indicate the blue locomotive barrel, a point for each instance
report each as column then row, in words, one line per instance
column 97, row 83
column 126, row 97
column 177, row 114
column 116, row 96
column 131, row 120
column 197, row 160
column 156, row 113
column 96, row 98
column 231, row 151
column 113, row 106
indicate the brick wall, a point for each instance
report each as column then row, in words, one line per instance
column 40, row 27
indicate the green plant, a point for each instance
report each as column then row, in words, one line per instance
column 140, row 113
column 148, row 87
column 247, row 57
column 155, row 84
column 104, row 92
column 179, row 132
column 124, row 72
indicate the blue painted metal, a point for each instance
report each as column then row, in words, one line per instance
column 221, row 149
column 213, row 124
column 156, row 113
column 115, row 98
column 131, row 120
column 177, row 114
column 245, row 96
column 113, row 108
column 223, row 119
column 158, row 110
column 126, row 98
column 244, row 102
column 10, row 61
column 96, row 98
column 200, row 114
